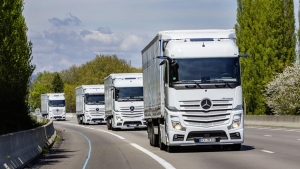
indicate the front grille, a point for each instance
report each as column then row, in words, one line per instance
column 97, row 113
column 132, row 115
column 195, row 115
column 206, row 134
column 136, row 109
column 57, row 111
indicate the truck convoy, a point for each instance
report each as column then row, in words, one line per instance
column 124, row 106
column 90, row 104
column 192, row 89
column 53, row 106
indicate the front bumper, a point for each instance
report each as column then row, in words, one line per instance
column 191, row 136
column 130, row 124
column 96, row 120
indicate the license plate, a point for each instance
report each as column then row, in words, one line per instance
column 207, row 140
column 131, row 125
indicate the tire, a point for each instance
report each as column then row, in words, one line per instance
column 153, row 137
column 108, row 124
column 161, row 145
column 172, row 149
column 79, row 121
column 150, row 135
column 236, row 147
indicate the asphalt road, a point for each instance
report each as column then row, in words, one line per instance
column 93, row 146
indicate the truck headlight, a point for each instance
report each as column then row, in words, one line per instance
column 176, row 123
column 118, row 118
column 236, row 122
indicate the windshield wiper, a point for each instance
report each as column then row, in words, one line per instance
column 222, row 81
column 191, row 81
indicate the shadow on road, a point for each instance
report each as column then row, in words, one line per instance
column 197, row 149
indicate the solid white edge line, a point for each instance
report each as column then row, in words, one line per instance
column 120, row 137
column 155, row 157
column 266, row 151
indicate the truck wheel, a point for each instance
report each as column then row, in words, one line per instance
column 108, row 123
column 153, row 137
column 172, row 149
column 161, row 145
column 79, row 121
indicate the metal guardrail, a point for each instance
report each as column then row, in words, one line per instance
column 273, row 121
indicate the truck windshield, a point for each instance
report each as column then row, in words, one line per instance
column 94, row 99
column 129, row 94
column 56, row 103
column 206, row 70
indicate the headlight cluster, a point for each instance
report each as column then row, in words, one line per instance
column 119, row 118
column 176, row 123
column 236, row 122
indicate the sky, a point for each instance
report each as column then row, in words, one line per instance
column 73, row 32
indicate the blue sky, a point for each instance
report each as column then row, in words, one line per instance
column 68, row 32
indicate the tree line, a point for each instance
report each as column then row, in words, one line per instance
column 265, row 30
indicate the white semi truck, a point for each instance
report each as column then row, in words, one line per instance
column 192, row 89
column 53, row 106
column 90, row 104
column 124, row 106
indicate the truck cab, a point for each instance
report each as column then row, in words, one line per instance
column 53, row 106
column 90, row 104
column 124, row 106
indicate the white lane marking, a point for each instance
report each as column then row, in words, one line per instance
column 268, row 135
column 289, row 130
column 266, row 151
column 298, row 139
column 120, row 137
column 264, row 128
column 155, row 157
column 90, row 149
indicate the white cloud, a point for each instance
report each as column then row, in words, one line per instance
column 72, row 32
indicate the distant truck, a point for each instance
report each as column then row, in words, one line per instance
column 90, row 104
column 53, row 106
column 192, row 89
column 124, row 106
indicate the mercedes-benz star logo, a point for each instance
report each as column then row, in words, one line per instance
column 97, row 109
column 131, row 108
column 205, row 104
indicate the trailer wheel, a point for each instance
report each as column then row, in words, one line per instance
column 153, row 136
